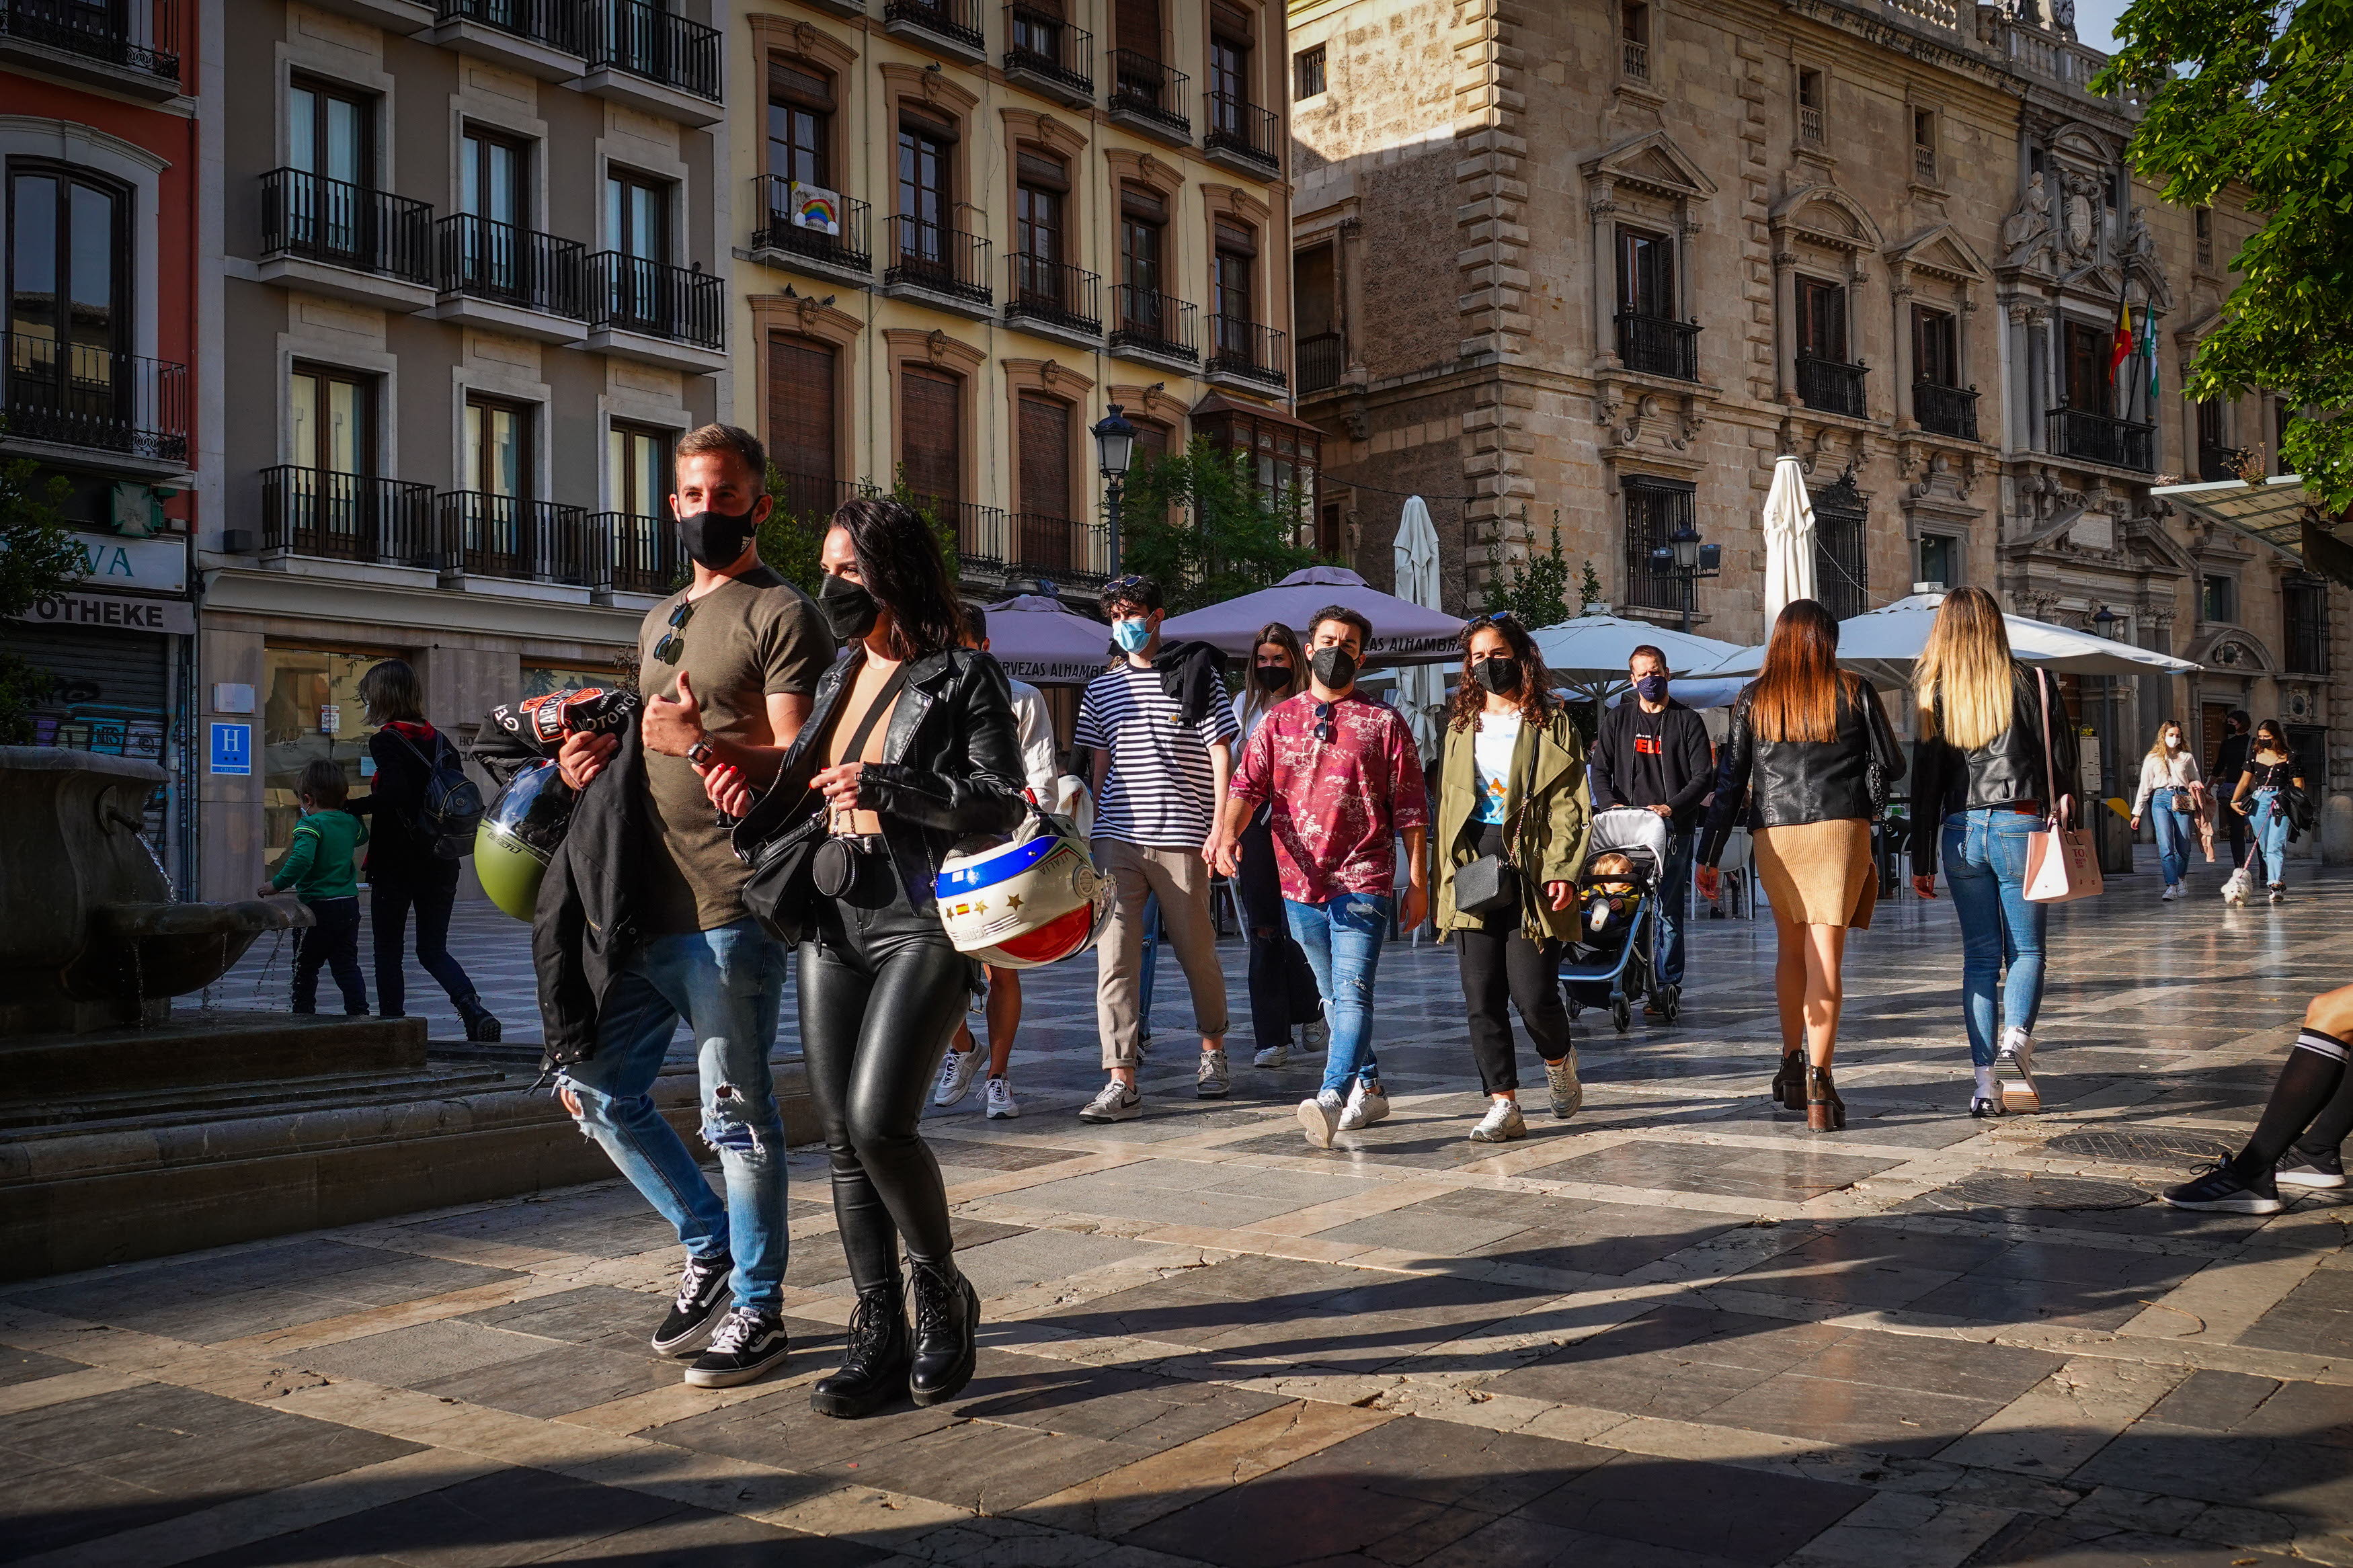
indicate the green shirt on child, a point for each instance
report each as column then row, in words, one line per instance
column 318, row 864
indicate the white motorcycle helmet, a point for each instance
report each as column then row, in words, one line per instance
column 1036, row 900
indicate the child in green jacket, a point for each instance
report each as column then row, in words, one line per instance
column 317, row 867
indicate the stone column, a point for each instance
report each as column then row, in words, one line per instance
column 1603, row 210
column 1899, row 297
column 1785, row 320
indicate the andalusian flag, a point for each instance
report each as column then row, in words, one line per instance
column 2122, row 344
column 2148, row 348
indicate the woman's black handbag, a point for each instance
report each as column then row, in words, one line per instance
column 784, row 887
column 1491, row 884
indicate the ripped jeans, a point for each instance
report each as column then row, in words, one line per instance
column 727, row 983
column 1342, row 938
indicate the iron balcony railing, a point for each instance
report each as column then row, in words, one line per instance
column 1053, row 292
column 1243, row 129
column 509, row 266
column 514, row 536
column 1245, row 349
column 1831, row 386
column 1044, row 45
column 812, row 498
column 634, row 553
column 89, row 396
column 1946, row 410
column 558, row 24
column 1143, row 87
column 1049, row 546
column 141, row 35
column 948, row 20
column 345, row 224
column 1152, row 322
column 347, row 517
column 1321, row 359
column 661, row 45
column 1659, row 346
column 637, row 294
column 2099, row 438
column 940, row 259
column 2216, row 464
column 979, row 530
column 844, row 245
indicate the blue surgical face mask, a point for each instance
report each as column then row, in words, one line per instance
column 1131, row 633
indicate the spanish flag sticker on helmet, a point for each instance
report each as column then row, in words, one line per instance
column 1035, row 901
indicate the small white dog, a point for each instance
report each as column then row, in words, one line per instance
column 2235, row 889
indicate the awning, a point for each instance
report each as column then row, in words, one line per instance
column 2276, row 513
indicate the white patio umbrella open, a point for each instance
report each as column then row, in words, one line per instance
column 1789, row 540
column 1588, row 655
column 1892, row 637
column 1420, row 687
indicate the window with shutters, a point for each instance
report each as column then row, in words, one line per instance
column 2087, row 367
column 931, row 432
column 1936, row 347
column 1821, row 320
column 1138, row 26
column 926, row 184
column 1044, row 534
column 800, row 123
column 804, row 429
column 1040, row 200
column 1143, row 225
column 1229, row 274
column 1646, row 273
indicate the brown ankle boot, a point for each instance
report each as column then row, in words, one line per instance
column 1825, row 1111
column 1789, row 1083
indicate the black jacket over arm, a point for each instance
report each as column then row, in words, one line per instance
column 1610, row 771
column 2009, row 770
column 1787, row 784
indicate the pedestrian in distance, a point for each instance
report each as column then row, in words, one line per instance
column 1512, row 790
column 1342, row 782
column 1281, row 986
column 1041, row 776
column 1652, row 752
column 1979, row 776
column 2262, row 798
column 2230, row 762
column 2172, row 794
column 727, row 667
column 318, row 871
column 912, row 747
column 1161, row 725
column 2299, row 1139
column 1807, row 740
column 404, row 874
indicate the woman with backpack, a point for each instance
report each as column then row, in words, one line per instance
column 405, row 869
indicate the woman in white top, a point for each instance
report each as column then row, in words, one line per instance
column 2172, row 793
column 1282, row 992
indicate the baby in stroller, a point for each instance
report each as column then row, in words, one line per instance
column 1611, row 899
column 1610, row 963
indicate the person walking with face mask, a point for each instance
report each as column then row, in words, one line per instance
column 2172, row 794
column 1651, row 753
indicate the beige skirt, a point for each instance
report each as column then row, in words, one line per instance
column 1818, row 873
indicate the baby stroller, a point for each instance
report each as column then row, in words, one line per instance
column 1614, row 963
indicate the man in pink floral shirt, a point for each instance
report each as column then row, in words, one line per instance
column 1345, row 781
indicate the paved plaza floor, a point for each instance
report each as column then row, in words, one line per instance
column 1677, row 1331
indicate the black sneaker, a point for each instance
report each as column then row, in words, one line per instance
column 702, row 1294
column 747, row 1344
column 2302, row 1167
column 2222, row 1187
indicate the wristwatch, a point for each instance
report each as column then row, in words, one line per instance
column 702, row 752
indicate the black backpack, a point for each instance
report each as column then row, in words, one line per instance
column 451, row 807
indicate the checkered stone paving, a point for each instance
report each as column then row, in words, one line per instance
column 1676, row 1331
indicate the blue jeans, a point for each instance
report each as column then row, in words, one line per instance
column 1985, row 864
column 1675, row 896
column 1342, row 938
column 2269, row 820
column 2173, row 830
column 727, row 984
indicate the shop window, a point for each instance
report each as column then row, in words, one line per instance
column 312, row 713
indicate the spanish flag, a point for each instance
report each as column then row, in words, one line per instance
column 2121, row 347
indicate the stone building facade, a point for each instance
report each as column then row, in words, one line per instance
column 1596, row 265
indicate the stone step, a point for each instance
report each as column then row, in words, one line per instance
column 22, row 1119
column 197, row 1047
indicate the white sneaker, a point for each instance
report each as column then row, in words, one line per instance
column 997, row 1097
column 955, row 1076
column 2017, row 1054
column 1319, row 1116
column 1366, row 1104
column 1116, row 1102
column 2170, row 894
column 1567, row 1093
column 1272, row 1057
column 1500, row 1124
column 1211, row 1078
column 1318, row 1037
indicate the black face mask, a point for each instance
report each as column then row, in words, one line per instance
column 850, row 609
column 1274, row 676
column 1498, row 673
column 1335, row 668
column 716, row 539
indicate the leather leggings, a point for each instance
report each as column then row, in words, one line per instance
column 881, row 993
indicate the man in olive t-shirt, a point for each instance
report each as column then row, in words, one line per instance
column 728, row 666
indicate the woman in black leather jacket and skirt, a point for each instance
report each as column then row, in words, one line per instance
column 1806, row 739
column 910, row 747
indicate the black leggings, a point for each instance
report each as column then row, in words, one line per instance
column 1500, row 966
column 1275, row 1005
column 881, row 993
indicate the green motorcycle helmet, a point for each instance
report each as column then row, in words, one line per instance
column 520, row 835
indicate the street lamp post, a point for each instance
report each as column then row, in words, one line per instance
column 1686, row 560
column 1114, row 450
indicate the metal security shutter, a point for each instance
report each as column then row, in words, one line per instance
column 931, row 425
column 109, row 669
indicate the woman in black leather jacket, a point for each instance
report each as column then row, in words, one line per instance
column 1809, row 761
column 909, row 747
column 1981, row 782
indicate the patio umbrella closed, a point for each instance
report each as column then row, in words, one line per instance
column 1789, row 540
column 1422, row 688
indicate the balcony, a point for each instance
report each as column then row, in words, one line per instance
column 1150, row 97
column 131, row 47
column 2092, row 437
column 1155, row 328
column 329, row 236
column 1659, row 346
column 1322, row 358
column 404, row 17
column 939, row 266
column 2216, row 464
column 944, row 27
column 979, row 530
column 542, row 38
column 824, row 237
column 1246, row 352
column 647, row 310
column 811, row 498
column 634, row 554
column 510, row 279
column 1047, row 55
column 1242, row 136
column 81, row 405
column 1055, row 300
column 1946, row 410
column 1634, row 59
column 1057, row 548
column 486, row 535
column 1831, row 386
column 347, row 517
column 653, row 59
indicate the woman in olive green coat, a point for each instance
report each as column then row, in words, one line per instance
column 1512, row 782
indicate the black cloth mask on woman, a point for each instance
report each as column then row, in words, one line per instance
column 1499, row 673
column 1335, row 668
column 716, row 539
column 850, row 609
column 1274, row 676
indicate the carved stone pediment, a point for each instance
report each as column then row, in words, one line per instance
column 1943, row 252
column 1653, row 163
column 1826, row 215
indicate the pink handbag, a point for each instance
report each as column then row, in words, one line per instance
column 2061, row 865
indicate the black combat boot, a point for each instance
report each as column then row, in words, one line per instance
column 874, row 1369
column 947, row 1319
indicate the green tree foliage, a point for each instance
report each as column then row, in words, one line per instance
column 1588, row 586
column 38, row 560
column 2260, row 93
column 791, row 541
column 1534, row 589
column 1198, row 522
